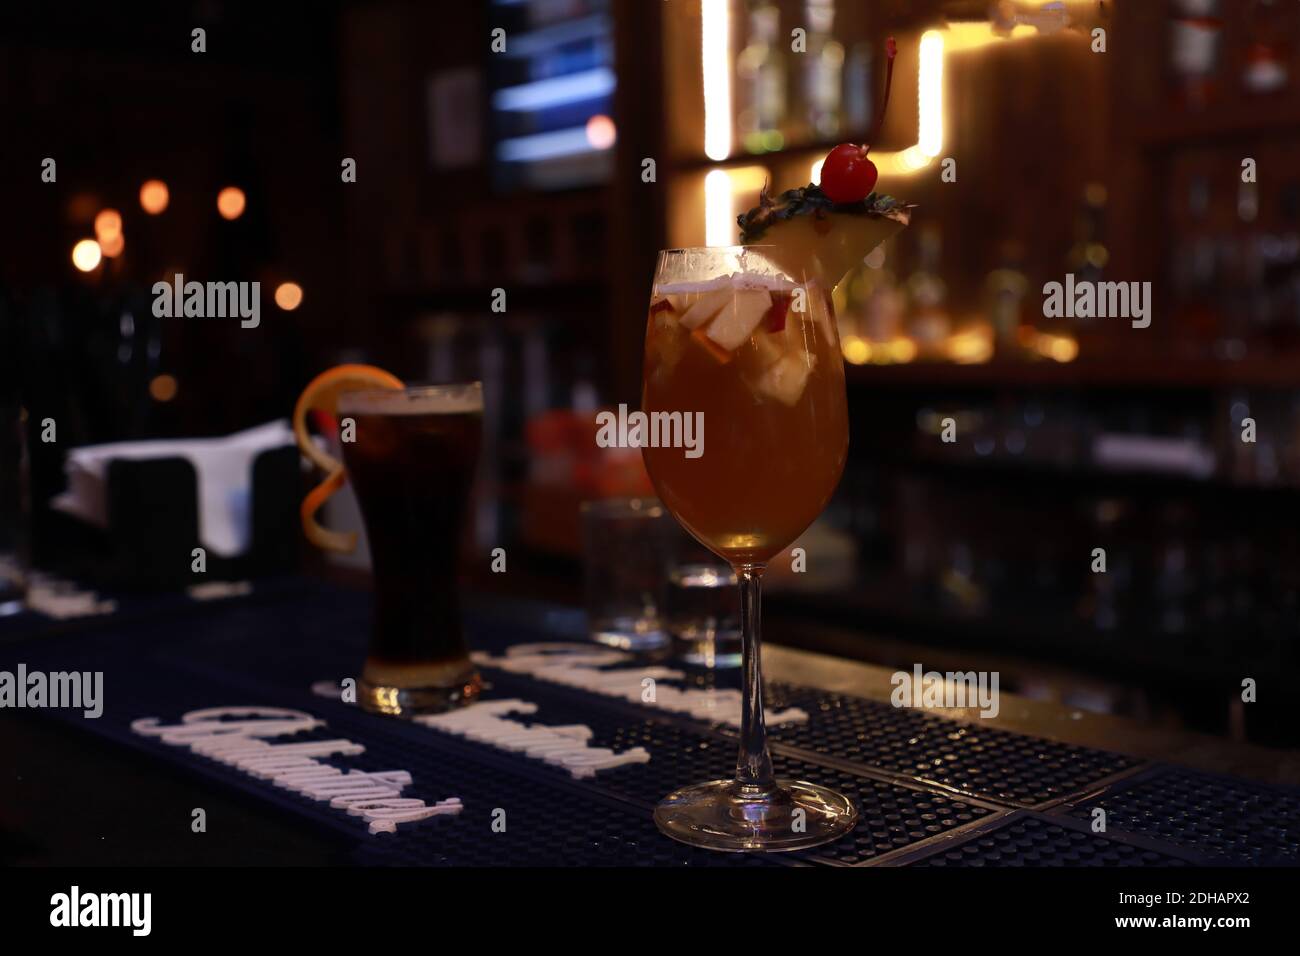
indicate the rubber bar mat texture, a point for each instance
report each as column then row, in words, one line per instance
column 1030, row 840
column 891, row 816
column 924, row 785
column 984, row 762
column 1230, row 821
column 549, row 819
column 269, row 656
column 963, row 758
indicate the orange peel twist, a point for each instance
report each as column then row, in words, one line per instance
column 322, row 394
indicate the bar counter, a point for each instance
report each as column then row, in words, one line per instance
column 938, row 788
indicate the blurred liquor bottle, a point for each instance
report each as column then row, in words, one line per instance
column 761, row 81
column 927, row 293
column 1197, row 261
column 859, row 101
column 1265, row 68
column 1088, row 254
column 886, row 309
column 1086, row 260
column 1194, row 51
column 1006, row 289
column 822, row 72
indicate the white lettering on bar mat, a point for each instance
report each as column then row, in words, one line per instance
column 238, row 742
column 581, row 666
column 564, row 746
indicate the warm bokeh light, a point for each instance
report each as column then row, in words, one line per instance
column 971, row 347
column 857, row 351
column 717, row 208
column 230, row 202
column 1059, row 348
column 288, row 296
column 108, row 224
column 930, row 94
column 715, row 35
column 896, row 351
column 113, row 245
column 162, row 388
column 721, row 187
column 154, row 196
column 910, row 160
column 1063, row 348
column 86, row 255
column 901, row 349
column 962, row 35
column 601, row 132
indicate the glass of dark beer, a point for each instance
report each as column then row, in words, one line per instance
column 411, row 461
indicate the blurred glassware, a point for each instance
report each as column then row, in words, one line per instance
column 1195, row 33
column 822, row 69
column 761, row 82
column 702, row 605
column 625, row 546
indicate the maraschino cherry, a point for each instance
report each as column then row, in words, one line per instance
column 847, row 174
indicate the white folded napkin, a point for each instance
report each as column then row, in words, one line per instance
column 224, row 467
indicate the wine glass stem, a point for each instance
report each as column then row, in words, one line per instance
column 754, row 763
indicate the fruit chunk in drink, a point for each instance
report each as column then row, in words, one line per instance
column 759, row 356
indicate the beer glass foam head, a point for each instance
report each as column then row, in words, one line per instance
column 420, row 400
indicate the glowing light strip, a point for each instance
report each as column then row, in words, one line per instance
column 548, row 37
column 539, row 146
column 556, row 91
column 929, row 105
column 715, row 52
column 962, row 35
column 930, row 94
column 957, row 37
column 720, row 189
column 718, row 228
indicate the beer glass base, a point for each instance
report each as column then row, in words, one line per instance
column 413, row 701
column 730, row 816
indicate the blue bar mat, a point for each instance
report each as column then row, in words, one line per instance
column 1030, row 840
column 986, row 762
column 1229, row 821
column 929, row 790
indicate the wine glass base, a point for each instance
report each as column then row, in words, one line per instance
column 734, row 817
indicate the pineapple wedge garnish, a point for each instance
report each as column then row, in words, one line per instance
column 809, row 237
